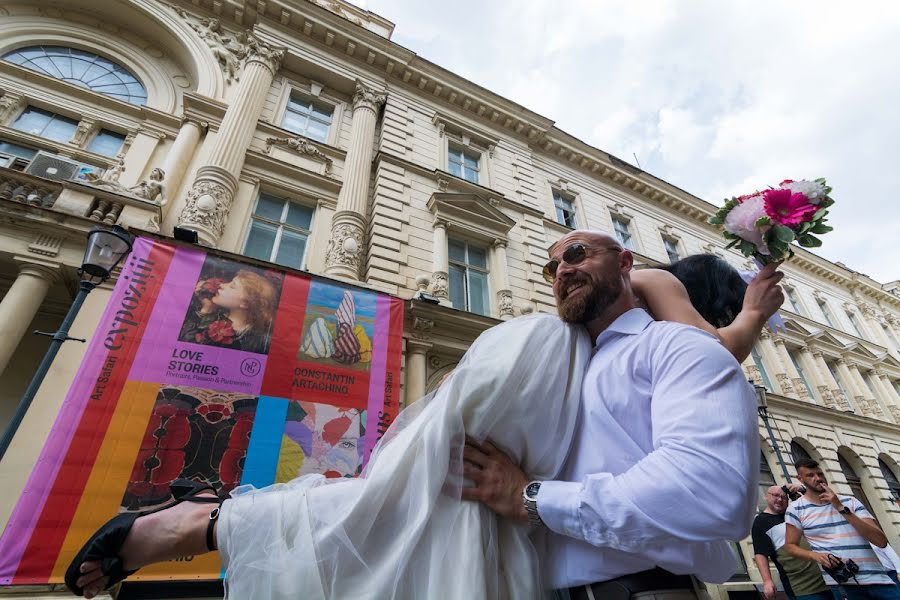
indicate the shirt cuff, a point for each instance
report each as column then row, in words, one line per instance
column 557, row 505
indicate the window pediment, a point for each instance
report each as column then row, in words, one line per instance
column 795, row 328
column 465, row 133
column 472, row 214
column 861, row 350
column 827, row 339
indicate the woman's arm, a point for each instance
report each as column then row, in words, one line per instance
column 667, row 300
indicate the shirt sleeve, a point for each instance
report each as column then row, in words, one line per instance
column 858, row 508
column 791, row 518
column 699, row 483
column 762, row 543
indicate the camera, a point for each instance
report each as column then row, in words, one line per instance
column 844, row 572
column 794, row 495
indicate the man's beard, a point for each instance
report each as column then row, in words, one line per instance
column 591, row 305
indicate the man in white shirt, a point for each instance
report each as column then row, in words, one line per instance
column 664, row 464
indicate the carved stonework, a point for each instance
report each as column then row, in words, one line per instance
column 301, row 145
column 765, row 334
column 149, row 189
column 785, row 383
column 263, row 53
column 10, row 104
column 423, row 326
column 505, row 302
column 85, row 128
column 842, row 401
column 895, row 412
column 45, row 245
column 207, row 207
column 868, row 310
column 228, row 51
column 827, row 397
column 800, row 388
column 364, row 97
column 443, row 183
column 754, row 375
column 345, row 247
column 439, row 285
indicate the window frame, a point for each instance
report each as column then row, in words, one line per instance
column 103, row 130
column 297, row 96
column 560, row 197
column 676, row 244
column 757, row 359
column 790, row 293
column 826, row 312
column 466, row 267
column 53, row 116
column 280, row 227
column 631, row 242
column 798, row 366
column 854, row 324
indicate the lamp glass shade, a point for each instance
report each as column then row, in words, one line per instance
column 761, row 399
column 105, row 250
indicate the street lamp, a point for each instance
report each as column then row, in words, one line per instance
column 762, row 407
column 106, row 248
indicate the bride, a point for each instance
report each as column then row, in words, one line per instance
column 401, row 530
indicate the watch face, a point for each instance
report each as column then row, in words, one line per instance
column 531, row 490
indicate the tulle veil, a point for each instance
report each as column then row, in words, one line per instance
column 400, row 531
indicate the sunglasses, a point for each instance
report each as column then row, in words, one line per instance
column 573, row 255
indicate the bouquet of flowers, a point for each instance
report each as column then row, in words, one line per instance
column 763, row 224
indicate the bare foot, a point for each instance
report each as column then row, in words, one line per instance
column 165, row 535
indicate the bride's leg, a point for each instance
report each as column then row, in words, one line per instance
column 165, row 535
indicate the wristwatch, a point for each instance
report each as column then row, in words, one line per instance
column 845, row 510
column 529, row 497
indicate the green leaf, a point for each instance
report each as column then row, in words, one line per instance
column 763, row 222
column 809, row 241
column 822, row 228
column 732, row 244
column 783, row 234
column 715, row 220
column 748, row 248
column 820, row 213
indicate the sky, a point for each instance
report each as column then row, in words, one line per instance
column 718, row 98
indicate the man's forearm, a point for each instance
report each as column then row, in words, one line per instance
column 762, row 563
column 868, row 530
column 797, row 552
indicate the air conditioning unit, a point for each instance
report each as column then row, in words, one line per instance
column 51, row 166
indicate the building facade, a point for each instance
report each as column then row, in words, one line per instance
column 298, row 133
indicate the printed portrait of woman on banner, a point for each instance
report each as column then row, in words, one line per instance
column 233, row 307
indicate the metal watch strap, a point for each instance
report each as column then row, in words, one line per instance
column 534, row 518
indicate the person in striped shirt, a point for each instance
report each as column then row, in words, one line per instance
column 837, row 527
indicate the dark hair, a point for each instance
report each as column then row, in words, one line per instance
column 715, row 287
column 806, row 463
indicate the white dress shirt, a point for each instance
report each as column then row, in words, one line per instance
column 664, row 463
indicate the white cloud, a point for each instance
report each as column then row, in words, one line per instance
column 716, row 97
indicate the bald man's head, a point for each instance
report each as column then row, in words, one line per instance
column 592, row 236
column 776, row 500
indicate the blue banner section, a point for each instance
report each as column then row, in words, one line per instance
column 265, row 442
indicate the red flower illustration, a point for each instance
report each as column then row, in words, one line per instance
column 221, row 331
column 211, row 286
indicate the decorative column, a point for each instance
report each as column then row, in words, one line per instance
column 808, row 362
column 210, row 198
column 891, row 397
column 11, row 103
column 501, row 278
column 768, row 351
column 20, row 305
column 871, row 319
column 440, row 263
column 181, row 152
column 348, row 226
column 866, row 400
column 789, row 380
column 828, row 388
column 848, row 381
column 415, row 370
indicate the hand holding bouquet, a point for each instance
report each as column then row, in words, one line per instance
column 762, row 225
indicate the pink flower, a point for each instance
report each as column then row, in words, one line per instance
column 787, row 207
column 746, row 197
column 741, row 221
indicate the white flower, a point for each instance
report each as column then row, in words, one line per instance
column 741, row 221
column 814, row 192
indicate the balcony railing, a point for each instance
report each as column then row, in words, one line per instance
column 27, row 189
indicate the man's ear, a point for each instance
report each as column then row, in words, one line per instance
column 626, row 261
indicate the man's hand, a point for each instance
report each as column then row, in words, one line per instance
column 828, row 561
column 769, row 589
column 829, row 496
column 499, row 482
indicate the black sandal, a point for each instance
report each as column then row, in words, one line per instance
column 107, row 541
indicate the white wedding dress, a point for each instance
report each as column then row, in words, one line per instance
column 400, row 530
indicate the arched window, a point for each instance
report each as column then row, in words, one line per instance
column 855, row 483
column 891, row 480
column 81, row 68
column 798, row 451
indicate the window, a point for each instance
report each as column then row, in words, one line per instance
column 891, row 479
column 623, row 233
column 855, row 484
column 823, row 306
column 887, row 330
column 837, row 380
column 16, row 150
column 671, row 246
column 798, row 452
column 279, row 230
column 84, row 69
column 791, row 294
column 854, row 323
column 463, row 163
column 565, row 210
column 107, row 143
column 46, row 124
column 309, row 119
column 757, row 360
column 468, row 277
column 801, row 373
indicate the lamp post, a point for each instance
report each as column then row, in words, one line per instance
column 762, row 407
column 106, row 248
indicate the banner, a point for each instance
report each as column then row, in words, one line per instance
column 210, row 369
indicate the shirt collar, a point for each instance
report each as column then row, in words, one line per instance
column 631, row 322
